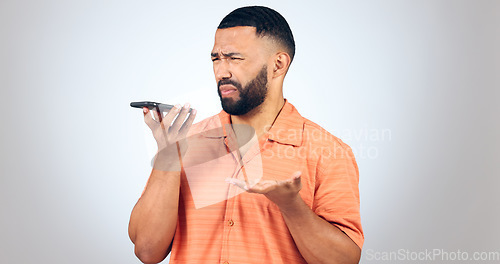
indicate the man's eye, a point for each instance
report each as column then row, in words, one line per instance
column 215, row 59
column 236, row 58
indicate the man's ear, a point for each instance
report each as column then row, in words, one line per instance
column 281, row 64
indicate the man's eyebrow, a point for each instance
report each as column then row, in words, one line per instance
column 230, row 54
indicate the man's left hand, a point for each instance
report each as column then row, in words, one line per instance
column 282, row 193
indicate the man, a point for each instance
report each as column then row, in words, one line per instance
column 292, row 188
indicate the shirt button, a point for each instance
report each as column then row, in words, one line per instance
column 230, row 223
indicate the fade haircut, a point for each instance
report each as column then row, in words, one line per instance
column 267, row 22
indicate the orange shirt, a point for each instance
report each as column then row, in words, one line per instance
column 220, row 223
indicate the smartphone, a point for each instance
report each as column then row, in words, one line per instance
column 159, row 107
column 152, row 105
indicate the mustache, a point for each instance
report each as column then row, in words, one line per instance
column 229, row 81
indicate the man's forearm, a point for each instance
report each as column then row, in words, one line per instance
column 154, row 218
column 317, row 240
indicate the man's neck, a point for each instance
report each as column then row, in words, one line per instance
column 262, row 117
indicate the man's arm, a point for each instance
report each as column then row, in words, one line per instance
column 317, row 240
column 154, row 218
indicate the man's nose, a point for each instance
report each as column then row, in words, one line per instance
column 222, row 71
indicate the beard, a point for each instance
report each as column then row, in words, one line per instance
column 251, row 96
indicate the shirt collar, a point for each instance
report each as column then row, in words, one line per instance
column 287, row 128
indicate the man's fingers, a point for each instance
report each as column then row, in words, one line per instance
column 260, row 187
column 264, row 187
column 180, row 118
column 169, row 117
column 296, row 178
column 187, row 124
column 148, row 119
column 156, row 115
column 237, row 182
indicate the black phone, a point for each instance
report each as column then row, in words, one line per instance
column 152, row 105
column 159, row 107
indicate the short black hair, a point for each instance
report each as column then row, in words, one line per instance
column 267, row 22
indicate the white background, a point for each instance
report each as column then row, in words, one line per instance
column 412, row 86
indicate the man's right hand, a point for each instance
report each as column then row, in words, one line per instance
column 170, row 135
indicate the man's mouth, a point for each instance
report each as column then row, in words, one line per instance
column 227, row 89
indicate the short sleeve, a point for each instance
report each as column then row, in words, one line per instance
column 336, row 197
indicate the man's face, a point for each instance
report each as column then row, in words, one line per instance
column 239, row 61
